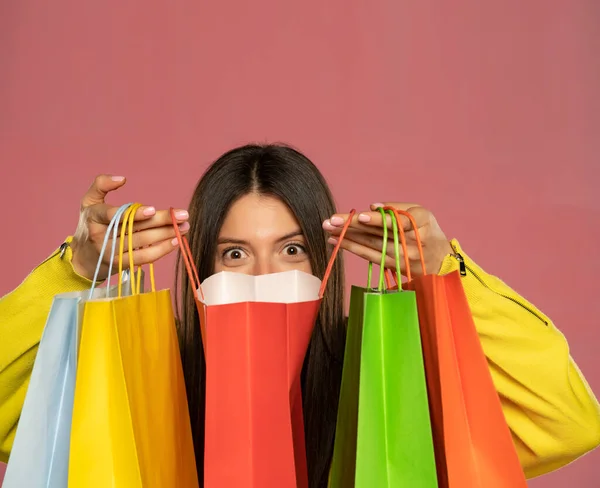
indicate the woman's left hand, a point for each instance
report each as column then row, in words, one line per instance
column 364, row 237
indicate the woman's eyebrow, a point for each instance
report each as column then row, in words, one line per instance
column 231, row 240
column 296, row 233
column 241, row 242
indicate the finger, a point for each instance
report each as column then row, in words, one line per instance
column 365, row 252
column 374, row 256
column 102, row 185
column 376, row 230
column 150, row 254
column 103, row 213
column 398, row 206
column 368, row 240
column 335, row 224
column 374, row 220
column 420, row 215
column 150, row 237
column 376, row 243
column 162, row 218
column 148, row 217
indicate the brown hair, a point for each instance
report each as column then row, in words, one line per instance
column 285, row 173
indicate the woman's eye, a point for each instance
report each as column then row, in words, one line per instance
column 234, row 254
column 294, row 250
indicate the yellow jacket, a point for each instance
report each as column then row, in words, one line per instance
column 552, row 413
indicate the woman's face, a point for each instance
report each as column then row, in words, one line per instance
column 260, row 235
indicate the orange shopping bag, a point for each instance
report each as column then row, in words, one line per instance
column 255, row 333
column 473, row 444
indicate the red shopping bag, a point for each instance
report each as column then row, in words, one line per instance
column 473, row 444
column 255, row 334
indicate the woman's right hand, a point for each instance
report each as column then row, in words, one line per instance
column 154, row 236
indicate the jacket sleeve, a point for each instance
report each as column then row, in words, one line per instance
column 23, row 315
column 552, row 413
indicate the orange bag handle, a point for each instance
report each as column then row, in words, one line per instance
column 412, row 220
column 388, row 279
column 334, row 254
column 186, row 253
column 193, row 272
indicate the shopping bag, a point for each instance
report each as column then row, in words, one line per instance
column 256, row 331
column 383, row 432
column 473, row 444
column 40, row 453
column 131, row 423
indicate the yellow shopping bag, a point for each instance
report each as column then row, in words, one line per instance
column 131, row 425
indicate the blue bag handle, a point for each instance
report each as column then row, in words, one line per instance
column 114, row 227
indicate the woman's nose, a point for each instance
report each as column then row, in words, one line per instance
column 263, row 266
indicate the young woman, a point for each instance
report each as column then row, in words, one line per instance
column 264, row 209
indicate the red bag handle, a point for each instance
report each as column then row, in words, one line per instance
column 186, row 253
column 193, row 272
column 334, row 254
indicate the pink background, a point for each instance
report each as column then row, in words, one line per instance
column 487, row 114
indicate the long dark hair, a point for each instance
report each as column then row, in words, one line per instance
column 285, row 173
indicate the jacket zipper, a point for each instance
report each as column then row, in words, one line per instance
column 63, row 249
column 463, row 268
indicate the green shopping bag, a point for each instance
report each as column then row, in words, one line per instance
column 383, row 433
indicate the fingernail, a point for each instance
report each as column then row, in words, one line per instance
column 181, row 214
column 117, row 178
column 377, row 205
column 175, row 242
column 336, row 221
column 149, row 211
column 327, row 225
column 185, row 226
column 364, row 218
column 332, row 240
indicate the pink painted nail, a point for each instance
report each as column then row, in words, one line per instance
column 149, row 211
column 181, row 214
column 337, row 221
column 185, row 226
column 175, row 242
column 332, row 240
column 377, row 205
column 327, row 225
column 117, row 178
column 364, row 218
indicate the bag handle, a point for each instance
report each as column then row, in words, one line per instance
column 335, row 252
column 398, row 231
column 114, row 247
column 415, row 227
column 131, row 210
column 186, row 254
column 113, row 224
column 383, row 255
column 193, row 272
column 128, row 221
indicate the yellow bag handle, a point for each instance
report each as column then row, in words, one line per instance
column 128, row 220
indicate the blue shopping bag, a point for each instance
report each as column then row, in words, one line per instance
column 40, row 453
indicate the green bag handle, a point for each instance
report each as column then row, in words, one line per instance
column 396, row 243
column 381, row 286
column 397, row 213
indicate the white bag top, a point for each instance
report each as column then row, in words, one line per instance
column 286, row 287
